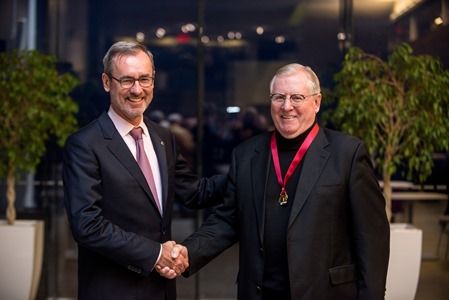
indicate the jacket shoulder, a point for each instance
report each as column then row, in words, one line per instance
column 340, row 139
column 162, row 132
column 87, row 134
column 260, row 141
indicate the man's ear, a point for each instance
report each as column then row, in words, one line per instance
column 317, row 100
column 106, row 82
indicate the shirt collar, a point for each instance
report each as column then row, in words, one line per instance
column 123, row 126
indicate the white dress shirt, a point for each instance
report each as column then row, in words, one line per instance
column 124, row 127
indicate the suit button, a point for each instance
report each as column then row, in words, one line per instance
column 261, row 250
column 258, row 289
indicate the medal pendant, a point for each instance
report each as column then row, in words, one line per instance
column 283, row 197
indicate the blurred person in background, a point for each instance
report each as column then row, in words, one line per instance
column 184, row 138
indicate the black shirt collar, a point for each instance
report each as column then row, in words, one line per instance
column 294, row 143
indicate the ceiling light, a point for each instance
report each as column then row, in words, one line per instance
column 232, row 109
column 280, row 39
column 400, row 7
column 160, row 32
column 438, row 21
column 259, row 30
column 205, row 39
column 220, row 39
column 341, row 36
column 140, row 37
column 238, row 35
column 231, row 35
column 190, row 27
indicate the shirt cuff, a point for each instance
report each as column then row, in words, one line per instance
column 159, row 256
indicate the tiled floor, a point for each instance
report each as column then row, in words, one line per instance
column 433, row 281
column 217, row 280
column 434, row 276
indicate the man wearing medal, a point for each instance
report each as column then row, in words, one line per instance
column 304, row 204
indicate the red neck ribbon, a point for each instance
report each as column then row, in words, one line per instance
column 296, row 160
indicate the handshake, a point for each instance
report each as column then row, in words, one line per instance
column 174, row 260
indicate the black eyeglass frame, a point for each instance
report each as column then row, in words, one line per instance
column 128, row 82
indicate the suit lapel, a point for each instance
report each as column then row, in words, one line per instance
column 120, row 150
column 313, row 165
column 159, row 149
column 259, row 171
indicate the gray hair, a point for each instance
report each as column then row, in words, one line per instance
column 313, row 82
column 124, row 48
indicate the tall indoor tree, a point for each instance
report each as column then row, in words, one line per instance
column 34, row 105
column 399, row 107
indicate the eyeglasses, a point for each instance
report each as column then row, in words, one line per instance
column 295, row 99
column 128, row 82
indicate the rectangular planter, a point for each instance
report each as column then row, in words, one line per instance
column 405, row 262
column 21, row 254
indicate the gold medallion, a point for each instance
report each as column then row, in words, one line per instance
column 283, row 197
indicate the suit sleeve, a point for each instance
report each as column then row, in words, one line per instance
column 83, row 194
column 193, row 192
column 370, row 227
column 218, row 232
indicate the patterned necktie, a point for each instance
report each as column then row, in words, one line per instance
column 144, row 164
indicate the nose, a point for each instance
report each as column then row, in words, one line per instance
column 136, row 88
column 287, row 104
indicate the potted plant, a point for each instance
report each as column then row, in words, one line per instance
column 34, row 105
column 400, row 108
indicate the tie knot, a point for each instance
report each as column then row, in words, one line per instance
column 136, row 133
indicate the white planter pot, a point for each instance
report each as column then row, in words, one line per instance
column 21, row 253
column 405, row 262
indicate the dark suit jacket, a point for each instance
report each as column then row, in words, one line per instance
column 337, row 235
column 112, row 215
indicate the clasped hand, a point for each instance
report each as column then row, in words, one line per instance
column 174, row 260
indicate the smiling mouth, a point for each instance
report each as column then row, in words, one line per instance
column 288, row 117
column 135, row 99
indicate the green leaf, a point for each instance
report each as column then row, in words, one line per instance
column 35, row 103
column 398, row 106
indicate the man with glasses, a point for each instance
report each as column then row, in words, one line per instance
column 121, row 176
column 303, row 203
